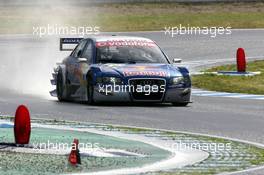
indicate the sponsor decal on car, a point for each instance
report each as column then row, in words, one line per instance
column 145, row 73
column 110, row 43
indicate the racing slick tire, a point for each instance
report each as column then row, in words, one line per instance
column 61, row 88
column 180, row 104
column 90, row 92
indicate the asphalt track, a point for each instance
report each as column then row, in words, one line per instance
column 27, row 62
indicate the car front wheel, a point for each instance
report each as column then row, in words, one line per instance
column 180, row 104
column 90, row 93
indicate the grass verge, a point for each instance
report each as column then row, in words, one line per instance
column 249, row 85
column 223, row 158
column 132, row 16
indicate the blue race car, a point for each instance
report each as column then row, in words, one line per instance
column 119, row 69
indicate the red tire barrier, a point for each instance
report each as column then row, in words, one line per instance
column 22, row 128
column 241, row 60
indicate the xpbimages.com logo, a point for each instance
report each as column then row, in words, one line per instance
column 56, row 29
column 49, row 145
column 116, row 88
column 192, row 30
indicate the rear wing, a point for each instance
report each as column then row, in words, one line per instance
column 68, row 44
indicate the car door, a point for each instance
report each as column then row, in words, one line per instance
column 85, row 61
column 82, row 60
column 73, row 64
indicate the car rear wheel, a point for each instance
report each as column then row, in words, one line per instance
column 59, row 86
column 180, row 104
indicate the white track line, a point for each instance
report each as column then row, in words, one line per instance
column 205, row 93
column 179, row 157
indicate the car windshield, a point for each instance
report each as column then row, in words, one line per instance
column 139, row 51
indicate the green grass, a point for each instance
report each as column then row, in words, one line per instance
column 148, row 22
column 240, row 155
column 133, row 16
column 250, row 85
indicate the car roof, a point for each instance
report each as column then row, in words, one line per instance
column 102, row 38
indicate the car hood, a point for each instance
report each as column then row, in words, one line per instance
column 141, row 70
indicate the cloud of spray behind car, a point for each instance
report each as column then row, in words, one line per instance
column 26, row 65
column 27, row 61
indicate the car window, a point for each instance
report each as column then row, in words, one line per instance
column 88, row 52
column 80, row 47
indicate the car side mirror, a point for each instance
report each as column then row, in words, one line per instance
column 81, row 60
column 177, row 60
column 79, row 53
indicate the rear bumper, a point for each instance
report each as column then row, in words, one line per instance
column 180, row 95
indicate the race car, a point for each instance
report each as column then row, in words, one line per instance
column 119, row 69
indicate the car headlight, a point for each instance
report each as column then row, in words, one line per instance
column 109, row 80
column 177, row 80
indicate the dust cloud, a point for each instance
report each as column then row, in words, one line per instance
column 27, row 61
